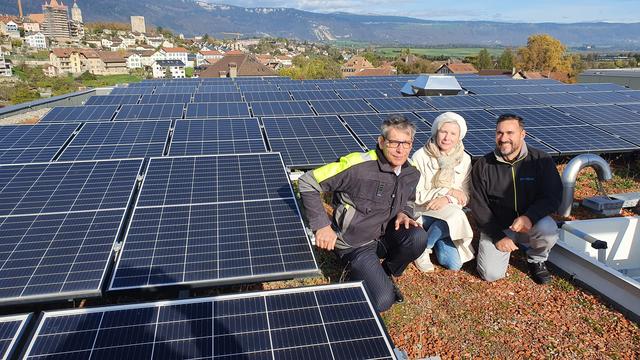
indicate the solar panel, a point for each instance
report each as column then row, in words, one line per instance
column 218, row 97
column 351, row 106
column 475, row 119
column 298, row 86
column 603, row 86
column 175, row 90
column 217, row 89
column 80, row 113
column 399, row 104
column 315, row 95
column 11, row 329
column 454, row 102
column 150, row 112
column 279, row 108
column 370, row 123
column 336, row 86
column 113, row 99
column 216, row 136
column 267, row 96
column 506, row 100
column 132, row 91
column 558, row 99
column 606, row 97
column 570, row 88
column 601, row 114
column 632, row 93
column 119, row 140
column 214, row 110
column 254, row 87
column 321, row 322
column 309, row 141
column 166, row 99
column 32, row 143
column 629, row 132
column 540, row 117
column 632, row 107
column 580, row 139
column 59, row 223
column 385, row 85
column 480, row 142
column 361, row 94
column 212, row 220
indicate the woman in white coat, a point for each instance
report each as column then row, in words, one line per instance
column 442, row 192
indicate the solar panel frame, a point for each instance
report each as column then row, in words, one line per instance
column 540, row 116
column 258, row 96
column 281, row 108
column 361, row 93
column 588, row 139
column 217, row 110
column 12, row 328
column 35, row 136
column 606, row 97
column 143, row 112
column 258, row 87
column 160, row 90
column 601, row 114
column 221, row 139
column 217, row 97
column 217, row 89
column 112, row 99
column 219, row 199
column 330, row 321
column 549, row 99
column 350, row 106
column 298, row 86
column 80, row 113
column 132, row 91
column 629, row 132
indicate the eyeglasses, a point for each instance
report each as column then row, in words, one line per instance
column 392, row 144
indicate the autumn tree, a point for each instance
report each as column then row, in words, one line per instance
column 484, row 60
column 543, row 53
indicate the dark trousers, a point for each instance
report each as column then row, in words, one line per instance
column 398, row 248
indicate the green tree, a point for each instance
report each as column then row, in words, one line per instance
column 506, row 60
column 167, row 73
column 317, row 67
column 420, row 66
column 373, row 58
column 484, row 60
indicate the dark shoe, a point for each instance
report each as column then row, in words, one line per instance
column 397, row 292
column 539, row 273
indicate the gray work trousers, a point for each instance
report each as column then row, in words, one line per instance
column 492, row 263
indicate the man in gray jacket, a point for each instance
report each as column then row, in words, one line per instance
column 373, row 198
column 515, row 189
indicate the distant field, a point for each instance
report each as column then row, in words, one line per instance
column 449, row 52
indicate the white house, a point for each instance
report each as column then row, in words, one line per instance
column 208, row 56
column 176, row 67
column 36, row 41
column 106, row 43
column 5, row 66
column 175, row 53
column 134, row 61
column 12, row 30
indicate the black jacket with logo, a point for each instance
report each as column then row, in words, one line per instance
column 502, row 191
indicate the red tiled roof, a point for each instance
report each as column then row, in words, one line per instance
column 247, row 65
column 210, row 52
column 462, row 68
column 175, row 49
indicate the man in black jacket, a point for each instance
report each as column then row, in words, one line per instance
column 515, row 189
column 373, row 198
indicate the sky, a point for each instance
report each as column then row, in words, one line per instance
column 561, row 11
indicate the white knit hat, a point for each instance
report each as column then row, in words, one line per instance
column 449, row 117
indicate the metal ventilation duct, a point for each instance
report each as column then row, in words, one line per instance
column 427, row 85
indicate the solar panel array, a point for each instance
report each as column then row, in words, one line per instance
column 211, row 220
column 329, row 322
column 37, row 143
column 11, row 329
column 216, row 136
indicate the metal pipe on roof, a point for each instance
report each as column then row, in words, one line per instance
column 570, row 174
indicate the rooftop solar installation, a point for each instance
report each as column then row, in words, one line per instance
column 217, row 89
column 606, row 97
column 454, row 102
column 298, row 86
column 321, row 322
column 506, row 100
column 80, row 113
column 132, row 91
column 267, row 96
column 386, row 85
column 632, row 93
column 309, row 141
column 217, row 110
column 118, row 140
column 336, row 86
column 11, row 329
column 150, row 112
column 540, row 116
column 281, row 108
column 569, row 88
column 601, row 114
column 214, row 220
column 217, row 97
column 32, row 143
column 480, row 142
column 216, row 136
column 166, row 99
column 580, row 139
column 558, row 99
column 258, row 87
column 629, row 132
column 59, row 223
column 362, row 93
column 351, row 106
column 399, row 104
column 475, row 119
column 113, row 99
column 603, row 86
column 370, row 123
column 315, row 95
column 632, row 107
